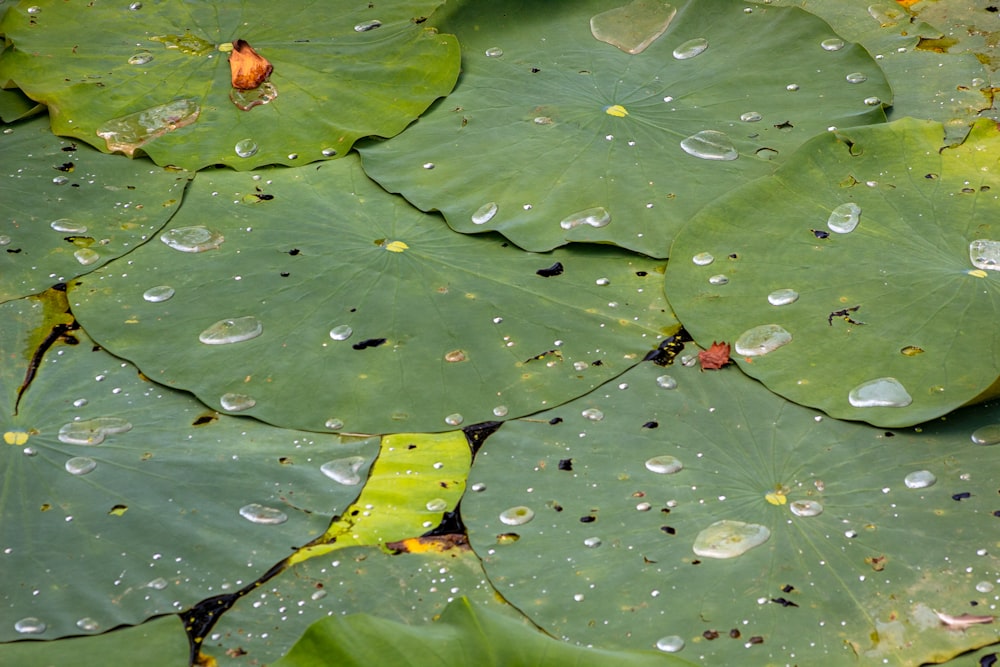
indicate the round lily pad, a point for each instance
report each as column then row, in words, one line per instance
column 785, row 537
column 615, row 124
column 157, row 79
column 310, row 298
column 863, row 278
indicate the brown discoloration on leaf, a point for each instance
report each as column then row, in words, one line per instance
column 429, row 544
column 248, row 68
column 714, row 357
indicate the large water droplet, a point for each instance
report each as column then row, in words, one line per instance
column 832, row 44
column 334, row 424
column 246, row 148
column 141, row 58
column 595, row 217
column 454, row 419
column 987, row 435
column 128, row 133
column 158, row 293
column 856, row 77
column 329, row 152
column 633, row 27
column 341, row 332
column 245, row 100
column 666, row 382
column 750, row 117
column 703, row 258
column 516, row 516
column 729, row 539
column 88, row 624
column 257, row 513
column 80, row 465
column 67, row 226
column 86, row 256
column 985, row 254
column 919, row 479
column 593, row 414
column 92, row 431
column 157, row 584
column 436, row 505
column 985, row 587
column 761, row 340
column 873, row 101
column 710, row 145
column 232, row 330
column 501, row 411
column 494, row 52
column 192, row 239
column 805, row 508
column 344, row 471
column 664, row 465
column 691, row 48
column 884, row 392
column 844, row 218
column 719, row 279
column 485, row 213
column 365, row 26
column 236, row 402
column 30, row 626
column 782, row 297
column 670, row 644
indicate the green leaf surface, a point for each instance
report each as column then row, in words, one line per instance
column 15, row 105
column 463, row 637
column 375, row 317
column 899, row 298
column 552, row 136
column 609, row 559
column 336, row 78
column 122, row 499
column 66, row 209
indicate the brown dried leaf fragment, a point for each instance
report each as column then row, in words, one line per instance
column 714, row 357
column 247, row 68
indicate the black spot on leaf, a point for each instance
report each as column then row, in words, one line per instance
column 961, row 496
column 554, row 270
column 370, row 342
column 566, row 464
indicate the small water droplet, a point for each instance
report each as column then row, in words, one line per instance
column 592, row 542
column 670, row 644
column 92, row 431
column 158, row 293
column 428, row 165
column 873, row 101
column 691, row 48
column 344, row 471
column 750, row 117
column 341, row 332
column 34, row 10
column 4, row 239
column 719, row 279
column 595, row 217
column 987, row 435
column 329, row 152
column 602, row 282
column 246, row 148
column 236, row 402
column 516, row 516
column 703, row 259
column 761, row 340
column 257, row 513
column 985, row 254
column 494, row 52
column 580, row 365
column 884, row 392
column 88, row 624
column 593, row 414
column 664, row 465
column 318, row 595
column 919, row 479
column 500, row 411
column 365, row 26
column 729, row 539
column 80, row 465
column 710, row 145
column 157, row 584
column 832, row 44
column 984, row 587
column 135, row 6
column 782, row 297
column 86, row 256
column 844, row 218
column 437, row 505
column 232, row 330
column 29, row 451
column 334, row 424
column 192, row 239
column 485, row 213
column 67, row 226
column 30, row 625
column 792, row 87
column 805, row 508
column 666, row 382
column 478, row 487
column 454, row 419
column 141, row 58
column 60, row 180
column 856, row 77
column 80, row 402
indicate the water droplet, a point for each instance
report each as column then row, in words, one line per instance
column 60, row 180
column 987, row 435
column 873, row 101
column 691, row 48
column 80, row 465
column 246, row 148
column 719, row 279
column 232, row 330
column 257, row 513
column 4, row 239
column 580, row 365
column 844, row 218
column 782, row 297
column 664, row 465
column 428, row 165
column 592, row 542
column 141, row 58
column 593, row 414
column 158, row 293
column 703, row 259
column 157, row 584
column 34, row 10
column 365, row 26
column 919, row 479
column 67, row 226
column 516, row 516
column 832, row 44
column 884, row 392
column 341, row 332
column 128, row 133
column 985, row 254
column 334, row 424
column 245, row 100
column 88, row 624
column 437, row 505
column 135, row 6
column 454, row 419
column 856, row 77
column 80, row 402
column 329, row 152
column 92, row 431
column 236, row 402
column 29, row 451
column 792, row 87
column 984, row 587
column 478, row 487
column 761, row 340
column 666, row 382
column 494, row 52
column 484, row 213
column 750, row 117
column 805, row 508
column 30, row 625
column 86, row 256
column 192, row 239
column 632, row 27
column 710, row 145
column 595, row 217
column 500, row 411
column 729, row 539
column 318, row 595
column 344, row 471
column 670, row 644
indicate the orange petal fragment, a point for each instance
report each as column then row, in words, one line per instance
column 247, row 67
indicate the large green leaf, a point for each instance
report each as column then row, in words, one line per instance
column 122, row 499
column 337, row 75
column 553, row 136
column 375, row 317
column 66, row 209
column 615, row 554
column 465, row 636
column 908, row 300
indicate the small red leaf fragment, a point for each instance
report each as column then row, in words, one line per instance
column 714, row 357
column 247, row 68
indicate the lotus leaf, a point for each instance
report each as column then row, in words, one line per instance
column 704, row 513
column 155, row 78
column 15, row 105
column 122, row 499
column 553, row 136
column 66, row 209
column 893, row 323
column 372, row 316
